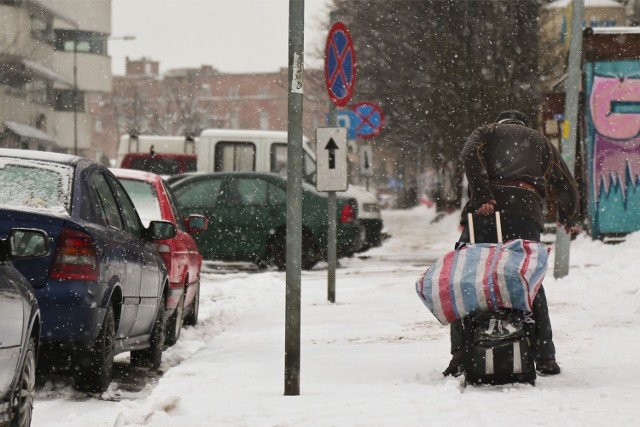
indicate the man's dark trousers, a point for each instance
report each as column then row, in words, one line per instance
column 512, row 228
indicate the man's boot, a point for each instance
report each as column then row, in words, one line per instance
column 456, row 367
column 547, row 366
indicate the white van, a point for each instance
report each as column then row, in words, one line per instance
column 225, row 150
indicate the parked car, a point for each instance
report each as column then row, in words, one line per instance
column 153, row 200
column 247, row 218
column 102, row 290
column 19, row 326
column 369, row 215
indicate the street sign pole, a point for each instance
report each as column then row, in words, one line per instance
column 294, row 199
column 331, row 173
column 572, row 90
column 366, row 168
column 332, row 258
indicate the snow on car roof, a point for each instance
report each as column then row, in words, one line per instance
column 45, row 156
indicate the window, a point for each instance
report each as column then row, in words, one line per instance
column 155, row 165
column 145, row 199
column 247, row 192
column 108, row 205
column 199, row 194
column 42, row 27
column 277, row 196
column 35, row 185
column 98, row 127
column 65, row 100
column 39, row 91
column 279, row 163
column 234, row 156
column 309, row 169
column 264, row 120
column 85, row 41
column 174, row 208
column 129, row 213
column 279, row 158
column 235, row 120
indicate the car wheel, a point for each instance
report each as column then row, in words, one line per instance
column 278, row 251
column 152, row 356
column 191, row 319
column 22, row 401
column 174, row 324
column 96, row 365
column 309, row 254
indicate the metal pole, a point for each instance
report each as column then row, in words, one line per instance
column 294, row 199
column 572, row 90
column 331, row 248
column 331, row 210
column 75, row 93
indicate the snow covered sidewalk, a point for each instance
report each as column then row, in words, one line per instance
column 375, row 357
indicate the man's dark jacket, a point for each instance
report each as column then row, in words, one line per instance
column 515, row 165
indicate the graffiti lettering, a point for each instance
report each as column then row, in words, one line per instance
column 614, row 105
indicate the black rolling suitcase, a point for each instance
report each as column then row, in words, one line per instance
column 498, row 344
column 498, row 349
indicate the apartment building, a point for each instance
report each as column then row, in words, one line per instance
column 52, row 54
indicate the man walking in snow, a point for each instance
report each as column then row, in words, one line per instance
column 510, row 167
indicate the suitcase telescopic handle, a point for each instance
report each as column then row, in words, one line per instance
column 472, row 232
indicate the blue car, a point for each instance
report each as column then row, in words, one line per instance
column 102, row 290
column 19, row 327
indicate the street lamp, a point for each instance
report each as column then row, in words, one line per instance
column 127, row 37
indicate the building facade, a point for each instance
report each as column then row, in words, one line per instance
column 186, row 101
column 52, row 55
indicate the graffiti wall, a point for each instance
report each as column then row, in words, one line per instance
column 612, row 140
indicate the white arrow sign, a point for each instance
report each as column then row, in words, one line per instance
column 331, row 159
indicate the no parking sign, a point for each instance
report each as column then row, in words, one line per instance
column 371, row 119
column 340, row 65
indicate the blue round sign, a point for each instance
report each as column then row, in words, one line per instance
column 340, row 65
column 371, row 119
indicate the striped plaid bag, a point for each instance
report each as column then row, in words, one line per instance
column 484, row 277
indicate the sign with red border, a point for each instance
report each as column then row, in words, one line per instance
column 371, row 119
column 340, row 65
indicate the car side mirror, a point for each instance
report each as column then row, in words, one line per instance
column 196, row 223
column 28, row 243
column 161, row 230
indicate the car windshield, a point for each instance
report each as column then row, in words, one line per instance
column 35, row 184
column 145, row 199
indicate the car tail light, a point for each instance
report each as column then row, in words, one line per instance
column 165, row 253
column 348, row 213
column 76, row 257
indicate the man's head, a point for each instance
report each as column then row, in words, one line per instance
column 513, row 117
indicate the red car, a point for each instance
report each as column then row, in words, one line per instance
column 153, row 200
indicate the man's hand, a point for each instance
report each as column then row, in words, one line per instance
column 487, row 208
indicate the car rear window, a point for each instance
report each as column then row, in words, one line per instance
column 35, row 184
column 155, row 165
column 144, row 198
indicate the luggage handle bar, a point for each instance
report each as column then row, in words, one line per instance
column 472, row 232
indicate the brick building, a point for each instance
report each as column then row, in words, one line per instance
column 188, row 100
